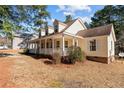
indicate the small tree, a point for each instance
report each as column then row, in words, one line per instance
column 75, row 54
column 68, row 18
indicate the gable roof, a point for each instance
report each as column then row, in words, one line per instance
column 97, row 31
column 68, row 25
column 56, row 20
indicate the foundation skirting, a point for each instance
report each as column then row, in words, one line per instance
column 101, row 59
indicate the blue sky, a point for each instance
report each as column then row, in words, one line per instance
column 84, row 11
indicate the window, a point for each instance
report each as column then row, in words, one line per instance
column 57, row 44
column 66, row 44
column 56, row 28
column 93, row 45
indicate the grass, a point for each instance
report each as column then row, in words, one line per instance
column 27, row 71
column 56, row 84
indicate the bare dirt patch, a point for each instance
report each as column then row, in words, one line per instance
column 5, row 72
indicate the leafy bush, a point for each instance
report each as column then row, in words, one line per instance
column 75, row 54
column 57, row 58
column 26, row 51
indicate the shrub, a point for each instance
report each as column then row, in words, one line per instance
column 75, row 54
column 26, row 51
column 57, row 58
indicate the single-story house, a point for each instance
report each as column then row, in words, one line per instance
column 97, row 43
column 2, row 40
column 20, row 40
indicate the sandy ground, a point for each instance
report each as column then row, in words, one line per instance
column 26, row 71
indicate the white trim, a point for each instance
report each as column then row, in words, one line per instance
column 113, row 33
column 69, row 34
column 82, row 22
column 63, row 44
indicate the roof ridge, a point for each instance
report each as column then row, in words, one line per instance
column 67, row 22
column 71, row 21
column 59, row 21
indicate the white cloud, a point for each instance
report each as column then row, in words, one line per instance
column 61, row 7
column 67, row 13
column 72, row 9
column 52, row 20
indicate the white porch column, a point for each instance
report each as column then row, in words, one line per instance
column 63, row 45
column 73, row 42
column 53, row 45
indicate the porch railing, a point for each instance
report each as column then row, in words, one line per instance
column 49, row 51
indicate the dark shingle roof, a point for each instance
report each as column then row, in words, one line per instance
column 97, row 31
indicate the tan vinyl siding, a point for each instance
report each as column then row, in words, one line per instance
column 101, row 46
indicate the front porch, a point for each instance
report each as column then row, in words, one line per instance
column 51, row 44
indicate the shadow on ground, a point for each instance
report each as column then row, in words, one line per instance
column 5, row 54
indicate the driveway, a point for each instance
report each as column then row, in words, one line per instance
column 29, row 71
